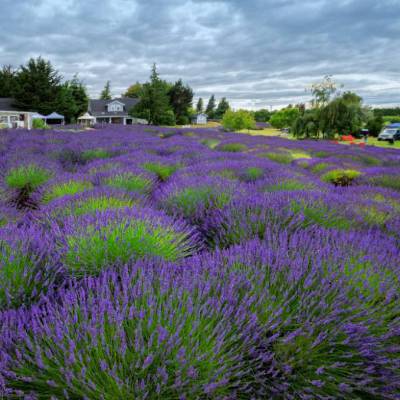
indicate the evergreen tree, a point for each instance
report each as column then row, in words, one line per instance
column 106, row 92
column 80, row 96
column 154, row 103
column 133, row 91
column 199, row 106
column 8, row 77
column 222, row 108
column 210, row 110
column 181, row 98
column 37, row 86
column 66, row 104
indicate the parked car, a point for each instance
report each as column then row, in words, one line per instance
column 390, row 134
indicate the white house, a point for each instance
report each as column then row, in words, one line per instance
column 10, row 117
column 200, row 119
column 114, row 111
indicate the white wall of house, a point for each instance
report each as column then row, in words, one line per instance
column 201, row 119
column 12, row 119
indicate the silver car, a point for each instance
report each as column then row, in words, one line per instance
column 390, row 134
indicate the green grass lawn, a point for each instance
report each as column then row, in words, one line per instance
column 374, row 142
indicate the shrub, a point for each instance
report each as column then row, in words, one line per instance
column 70, row 159
column 321, row 215
column 94, row 154
column 163, row 171
column 132, row 335
column 25, row 274
column 232, row 147
column 225, row 173
column 252, row 174
column 69, row 188
column 170, row 134
column 28, row 177
column 96, row 242
column 281, row 158
column 321, row 154
column 90, row 202
column 190, row 200
column 317, row 168
column 211, row 143
column 25, row 180
column 39, row 124
column 168, row 118
column 340, row 177
column 288, row 185
column 387, row 181
column 130, row 182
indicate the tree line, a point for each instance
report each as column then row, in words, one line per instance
column 38, row 86
column 166, row 103
column 332, row 113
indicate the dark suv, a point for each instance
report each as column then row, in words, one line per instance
column 390, row 134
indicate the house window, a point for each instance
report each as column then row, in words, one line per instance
column 115, row 107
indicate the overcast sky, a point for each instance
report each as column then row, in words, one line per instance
column 257, row 53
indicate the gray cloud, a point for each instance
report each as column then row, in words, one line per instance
column 255, row 52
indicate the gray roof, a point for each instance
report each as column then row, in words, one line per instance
column 6, row 104
column 98, row 108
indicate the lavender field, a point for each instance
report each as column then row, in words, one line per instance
column 155, row 263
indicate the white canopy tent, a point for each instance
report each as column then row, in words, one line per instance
column 86, row 120
column 37, row 116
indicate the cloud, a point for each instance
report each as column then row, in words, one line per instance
column 257, row 53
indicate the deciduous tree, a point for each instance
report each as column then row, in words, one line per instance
column 133, row 91
column 237, row 120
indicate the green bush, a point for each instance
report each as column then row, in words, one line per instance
column 252, row 174
column 320, row 214
column 288, row 185
column 94, row 204
column 191, row 199
column 341, row 177
column 238, row 120
column 387, row 181
column 39, row 124
column 28, row 177
column 161, row 170
column 233, row 147
column 317, row 168
column 211, row 143
column 168, row 118
column 102, row 246
column 67, row 189
column 130, row 182
column 95, row 154
column 281, row 158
